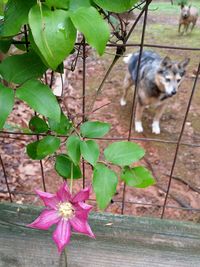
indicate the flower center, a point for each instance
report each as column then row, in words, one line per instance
column 66, row 210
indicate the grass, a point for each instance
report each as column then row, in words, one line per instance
column 168, row 8
column 165, row 7
column 157, row 33
column 168, row 34
column 162, row 29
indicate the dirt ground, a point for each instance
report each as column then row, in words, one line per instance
column 24, row 175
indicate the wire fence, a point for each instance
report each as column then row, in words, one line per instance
column 123, row 37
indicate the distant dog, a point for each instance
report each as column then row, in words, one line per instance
column 189, row 16
column 158, row 80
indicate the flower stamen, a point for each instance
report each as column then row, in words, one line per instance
column 66, row 210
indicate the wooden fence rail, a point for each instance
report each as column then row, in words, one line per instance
column 120, row 241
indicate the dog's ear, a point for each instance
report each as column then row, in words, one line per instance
column 182, row 6
column 184, row 63
column 166, row 62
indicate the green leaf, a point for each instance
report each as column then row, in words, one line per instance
column 104, row 184
column 42, row 148
column 61, row 127
column 90, row 151
column 96, row 31
column 75, row 4
column 73, row 148
column 36, row 49
column 60, row 68
column 5, row 45
column 6, row 103
column 117, row 6
column 94, row 129
column 39, row 97
column 20, row 68
column 16, row 15
column 57, row 3
column 48, row 145
column 21, row 46
column 37, row 125
column 123, row 153
column 53, row 33
column 138, row 177
column 31, row 150
column 63, row 167
column 2, row 6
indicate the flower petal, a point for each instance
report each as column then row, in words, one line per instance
column 81, row 226
column 46, row 219
column 85, row 206
column 82, row 195
column 82, row 210
column 50, row 200
column 61, row 235
column 63, row 193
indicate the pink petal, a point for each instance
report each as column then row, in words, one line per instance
column 81, row 226
column 61, row 235
column 46, row 219
column 63, row 193
column 82, row 195
column 82, row 210
column 82, row 205
column 50, row 200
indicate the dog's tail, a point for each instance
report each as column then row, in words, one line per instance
column 127, row 58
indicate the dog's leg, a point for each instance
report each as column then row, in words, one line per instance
column 186, row 28
column 193, row 24
column 127, row 84
column 156, row 121
column 179, row 28
column 138, row 118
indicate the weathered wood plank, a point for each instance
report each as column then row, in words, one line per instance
column 121, row 241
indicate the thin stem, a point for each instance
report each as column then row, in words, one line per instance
column 43, row 32
column 76, row 131
column 71, row 178
column 65, row 256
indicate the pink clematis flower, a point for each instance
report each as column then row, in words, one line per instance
column 65, row 211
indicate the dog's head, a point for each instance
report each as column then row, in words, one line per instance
column 169, row 75
column 185, row 11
